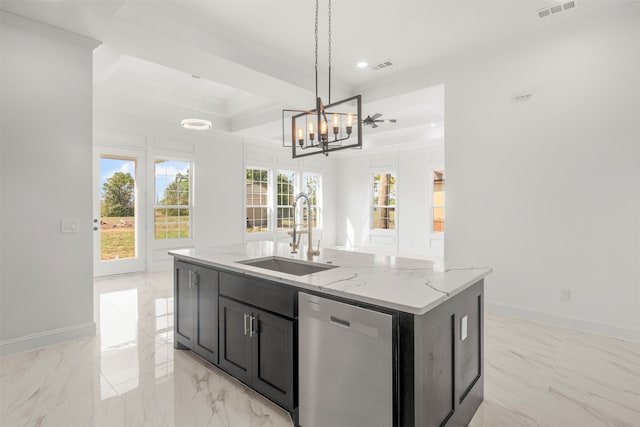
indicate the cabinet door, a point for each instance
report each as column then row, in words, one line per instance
column 470, row 346
column 273, row 349
column 235, row 345
column 205, row 285
column 184, row 305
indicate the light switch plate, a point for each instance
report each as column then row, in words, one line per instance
column 463, row 328
column 69, row 225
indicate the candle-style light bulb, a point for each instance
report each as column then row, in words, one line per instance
column 336, row 124
column 323, row 130
column 311, row 132
column 300, row 137
column 349, row 123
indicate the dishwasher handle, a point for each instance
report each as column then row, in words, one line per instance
column 344, row 316
column 339, row 321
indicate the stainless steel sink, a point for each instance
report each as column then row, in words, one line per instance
column 289, row 266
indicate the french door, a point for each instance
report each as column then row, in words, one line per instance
column 119, row 240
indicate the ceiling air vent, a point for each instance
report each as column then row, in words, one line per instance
column 548, row 11
column 384, row 64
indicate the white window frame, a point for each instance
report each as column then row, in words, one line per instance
column 270, row 202
column 318, row 205
column 190, row 206
column 382, row 231
column 296, row 186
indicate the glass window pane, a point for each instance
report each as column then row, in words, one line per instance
column 438, row 219
column 117, row 208
column 183, row 232
column 438, row 200
column 285, row 218
column 161, row 230
column 172, row 188
column 257, row 199
column 183, row 198
column 384, row 197
column 183, row 215
column 312, row 188
column 285, row 189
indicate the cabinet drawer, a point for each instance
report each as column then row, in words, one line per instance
column 269, row 296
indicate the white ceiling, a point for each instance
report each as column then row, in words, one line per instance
column 256, row 57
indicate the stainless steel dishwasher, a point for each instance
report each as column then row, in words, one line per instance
column 345, row 365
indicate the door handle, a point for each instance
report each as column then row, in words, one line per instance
column 245, row 324
column 251, row 331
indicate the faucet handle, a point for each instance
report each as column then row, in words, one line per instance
column 317, row 250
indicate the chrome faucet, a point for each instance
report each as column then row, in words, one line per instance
column 295, row 234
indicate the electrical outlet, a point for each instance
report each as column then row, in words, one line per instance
column 463, row 328
column 565, row 294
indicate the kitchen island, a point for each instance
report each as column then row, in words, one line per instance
column 246, row 320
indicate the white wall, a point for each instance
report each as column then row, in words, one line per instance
column 412, row 161
column 416, row 166
column 547, row 192
column 46, row 287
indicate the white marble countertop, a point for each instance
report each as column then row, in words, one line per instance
column 409, row 285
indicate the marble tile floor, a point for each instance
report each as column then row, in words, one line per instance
column 130, row 374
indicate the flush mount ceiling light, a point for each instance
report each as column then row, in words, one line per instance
column 326, row 128
column 193, row 123
column 362, row 64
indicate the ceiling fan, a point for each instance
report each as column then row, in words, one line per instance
column 373, row 120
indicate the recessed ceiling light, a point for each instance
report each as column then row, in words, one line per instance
column 362, row 64
column 433, row 125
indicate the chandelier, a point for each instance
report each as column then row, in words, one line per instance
column 325, row 128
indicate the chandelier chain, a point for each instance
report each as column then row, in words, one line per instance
column 329, row 33
column 316, row 53
column 329, row 51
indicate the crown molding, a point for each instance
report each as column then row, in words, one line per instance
column 8, row 18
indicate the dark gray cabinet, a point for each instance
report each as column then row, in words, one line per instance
column 272, row 363
column 258, row 344
column 257, row 348
column 440, row 367
column 196, row 310
column 184, row 305
column 235, row 344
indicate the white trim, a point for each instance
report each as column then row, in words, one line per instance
column 171, row 242
column 611, row 329
column 372, row 178
column 43, row 339
column 8, row 18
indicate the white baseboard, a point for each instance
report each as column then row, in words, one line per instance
column 625, row 332
column 43, row 339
